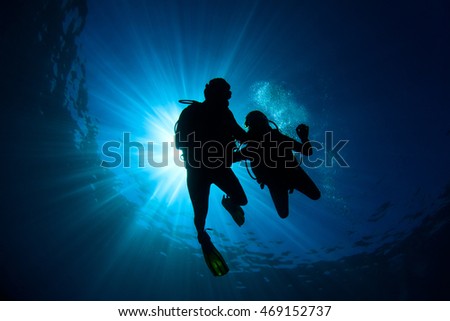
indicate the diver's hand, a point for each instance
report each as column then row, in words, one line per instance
column 303, row 132
column 237, row 156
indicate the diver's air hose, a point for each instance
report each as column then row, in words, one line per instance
column 273, row 123
column 248, row 171
column 187, row 101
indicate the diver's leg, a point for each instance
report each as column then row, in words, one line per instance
column 226, row 180
column 303, row 183
column 199, row 187
column 280, row 199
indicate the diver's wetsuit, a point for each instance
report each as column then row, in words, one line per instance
column 207, row 134
column 274, row 164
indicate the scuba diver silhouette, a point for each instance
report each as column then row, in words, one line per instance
column 206, row 133
column 273, row 162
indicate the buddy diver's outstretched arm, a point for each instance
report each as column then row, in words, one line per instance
column 238, row 132
column 305, row 147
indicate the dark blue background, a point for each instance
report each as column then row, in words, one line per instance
column 76, row 75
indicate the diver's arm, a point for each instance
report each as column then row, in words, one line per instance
column 237, row 131
column 241, row 135
column 248, row 152
column 238, row 156
column 298, row 147
column 305, row 147
column 241, row 153
column 303, row 133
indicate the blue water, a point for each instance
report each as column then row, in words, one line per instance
column 78, row 75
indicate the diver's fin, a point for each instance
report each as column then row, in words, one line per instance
column 237, row 213
column 213, row 258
